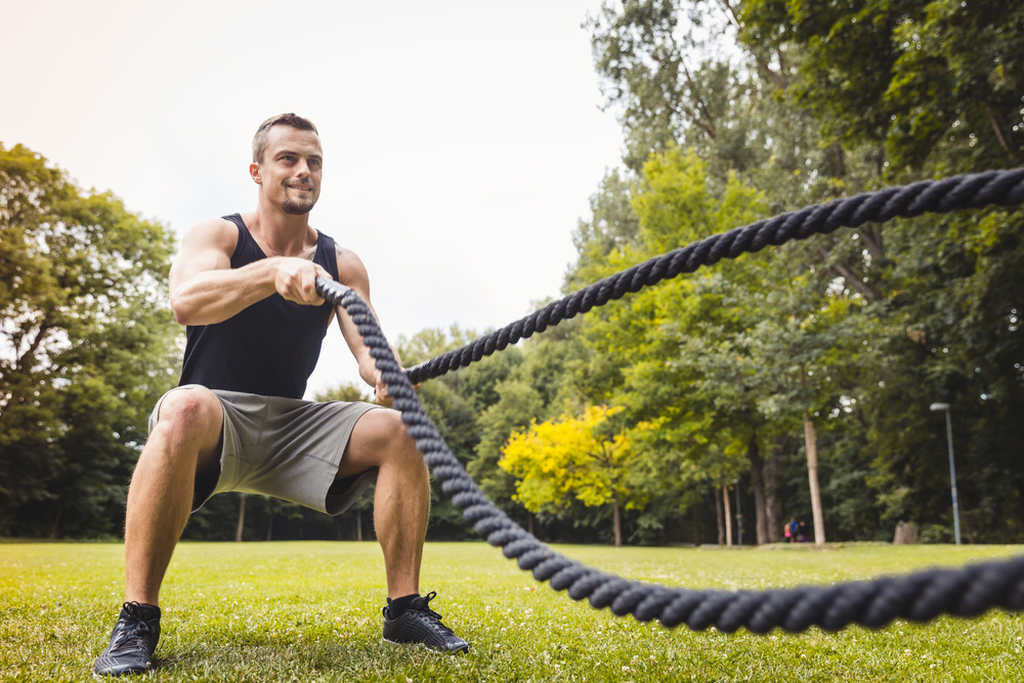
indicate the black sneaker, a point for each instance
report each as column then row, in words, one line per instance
column 132, row 641
column 420, row 624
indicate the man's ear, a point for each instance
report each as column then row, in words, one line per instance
column 254, row 171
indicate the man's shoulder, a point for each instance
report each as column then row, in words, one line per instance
column 351, row 270
column 218, row 231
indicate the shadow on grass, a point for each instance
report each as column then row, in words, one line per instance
column 294, row 655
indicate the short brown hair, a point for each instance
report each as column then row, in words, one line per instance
column 259, row 140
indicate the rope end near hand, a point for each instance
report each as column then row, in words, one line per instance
column 331, row 290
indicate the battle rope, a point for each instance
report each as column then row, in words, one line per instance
column 919, row 596
column 992, row 188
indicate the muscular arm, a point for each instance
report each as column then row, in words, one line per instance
column 352, row 273
column 206, row 290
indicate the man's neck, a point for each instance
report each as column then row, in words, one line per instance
column 283, row 234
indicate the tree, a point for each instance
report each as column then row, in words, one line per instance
column 655, row 346
column 662, row 67
column 936, row 82
column 826, row 99
column 87, row 344
column 573, row 456
column 935, row 88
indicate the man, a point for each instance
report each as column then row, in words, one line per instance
column 244, row 286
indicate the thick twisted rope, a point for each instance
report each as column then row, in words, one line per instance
column 919, row 596
column 992, row 188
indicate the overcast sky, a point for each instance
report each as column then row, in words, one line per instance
column 461, row 140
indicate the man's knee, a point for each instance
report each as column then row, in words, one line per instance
column 388, row 434
column 191, row 415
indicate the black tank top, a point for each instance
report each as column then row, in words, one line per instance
column 271, row 347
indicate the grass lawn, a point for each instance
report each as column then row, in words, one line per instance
column 310, row 611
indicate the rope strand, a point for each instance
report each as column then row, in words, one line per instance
column 974, row 191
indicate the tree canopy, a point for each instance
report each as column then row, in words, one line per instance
column 87, row 344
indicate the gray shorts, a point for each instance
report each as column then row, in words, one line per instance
column 282, row 447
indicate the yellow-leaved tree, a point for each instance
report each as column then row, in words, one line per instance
column 574, row 457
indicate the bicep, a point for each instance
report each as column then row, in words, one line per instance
column 206, row 246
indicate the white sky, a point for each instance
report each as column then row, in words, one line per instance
column 461, row 139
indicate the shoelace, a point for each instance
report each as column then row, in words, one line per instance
column 422, row 605
column 133, row 630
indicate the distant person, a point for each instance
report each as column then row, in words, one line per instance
column 801, row 532
column 794, row 528
column 244, row 286
column 787, row 530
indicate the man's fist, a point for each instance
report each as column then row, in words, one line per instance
column 296, row 280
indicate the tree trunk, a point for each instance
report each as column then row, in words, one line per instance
column 529, row 524
column 772, row 500
column 1005, row 141
column 757, row 486
column 871, row 236
column 696, row 524
column 618, row 523
column 57, row 521
column 811, row 443
column 359, row 525
column 270, row 524
column 241, row 518
column 727, row 515
column 840, row 270
column 718, row 517
column 739, row 514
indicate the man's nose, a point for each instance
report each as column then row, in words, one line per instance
column 302, row 168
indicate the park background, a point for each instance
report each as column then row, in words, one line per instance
column 481, row 160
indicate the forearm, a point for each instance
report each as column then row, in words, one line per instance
column 368, row 366
column 213, row 296
column 368, row 370
column 357, row 279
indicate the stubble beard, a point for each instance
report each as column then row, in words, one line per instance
column 297, row 208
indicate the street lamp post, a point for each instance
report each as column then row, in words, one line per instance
column 944, row 407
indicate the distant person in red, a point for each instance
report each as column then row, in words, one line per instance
column 244, row 286
column 790, row 530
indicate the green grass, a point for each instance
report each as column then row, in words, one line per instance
column 310, row 611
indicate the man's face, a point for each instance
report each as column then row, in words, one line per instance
column 290, row 172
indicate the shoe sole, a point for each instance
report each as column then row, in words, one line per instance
column 461, row 650
column 118, row 674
